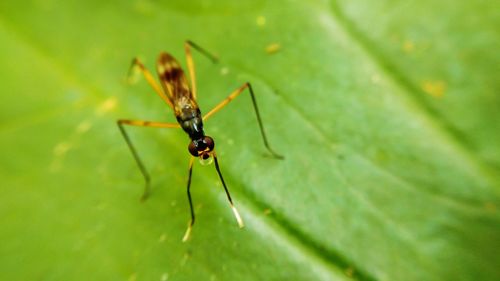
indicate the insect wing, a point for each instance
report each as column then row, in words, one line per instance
column 173, row 79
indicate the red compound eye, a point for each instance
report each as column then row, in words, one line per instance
column 209, row 142
column 192, row 149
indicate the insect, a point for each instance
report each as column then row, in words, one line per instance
column 182, row 99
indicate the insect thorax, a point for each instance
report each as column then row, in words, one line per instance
column 191, row 122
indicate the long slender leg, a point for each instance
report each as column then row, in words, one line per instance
column 235, row 211
column 149, row 78
column 232, row 96
column 191, row 222
column 140, row 123
column 152, row 124
column 190, row 64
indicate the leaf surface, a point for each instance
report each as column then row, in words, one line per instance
column 386, row 114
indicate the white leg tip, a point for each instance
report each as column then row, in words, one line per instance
column 238, row 218
column 187, row 234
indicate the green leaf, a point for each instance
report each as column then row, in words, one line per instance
column 386, row 111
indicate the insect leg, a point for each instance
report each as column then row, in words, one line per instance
column 232, row 96
column 140, row 123
column 204, row 52
column 136, row 63
column 235, row 211
column 191, row 222
column 190, row 64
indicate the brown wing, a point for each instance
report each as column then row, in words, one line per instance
column 174, row 81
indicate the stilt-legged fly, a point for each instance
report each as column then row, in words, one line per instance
column 177, row 94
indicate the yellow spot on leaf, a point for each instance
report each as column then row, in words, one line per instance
column 163, row 237
column 224, row 71
column 434, row 88
column 83, row 127
column 106, row 106
column 61, row 148
column 408, row 46
column 267, row 212
column 273, row 48
column 261, row 21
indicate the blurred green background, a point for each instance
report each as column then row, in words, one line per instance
column 387, row 113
